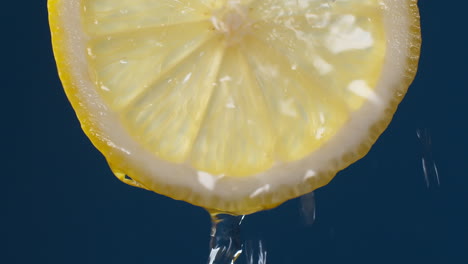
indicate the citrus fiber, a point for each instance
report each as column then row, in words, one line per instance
column 234, row 105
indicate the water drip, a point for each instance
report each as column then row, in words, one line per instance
column 225, row 243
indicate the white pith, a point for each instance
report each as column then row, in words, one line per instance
column 201, row 183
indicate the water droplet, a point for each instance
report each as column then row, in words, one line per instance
column 429, row 167
column 308, row 208
column 90, row 53
column 104, row 88
column 225, row 241
column 254, row 254
column 187, row 77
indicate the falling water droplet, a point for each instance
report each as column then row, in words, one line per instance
column 308, row 208
column 225, row 243
column 254, row 254
column 429, row 167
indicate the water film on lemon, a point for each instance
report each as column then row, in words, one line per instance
column 234, row 105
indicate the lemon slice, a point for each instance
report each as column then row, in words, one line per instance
column 234, row 105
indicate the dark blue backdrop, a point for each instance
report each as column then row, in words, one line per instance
column 63, row 205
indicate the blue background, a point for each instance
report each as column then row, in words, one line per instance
column 63, row 205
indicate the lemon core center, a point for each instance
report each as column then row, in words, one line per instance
column 232, row 22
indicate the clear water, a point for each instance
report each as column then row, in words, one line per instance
column 228, row 246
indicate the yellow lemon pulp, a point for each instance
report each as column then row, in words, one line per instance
column 234, row 105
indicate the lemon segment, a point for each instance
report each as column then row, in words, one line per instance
column 299, row 107
column 236, row 137
column 128, row 64
column 166, row 118
column 111, row 17
column 326, row 41
column 234, row 105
